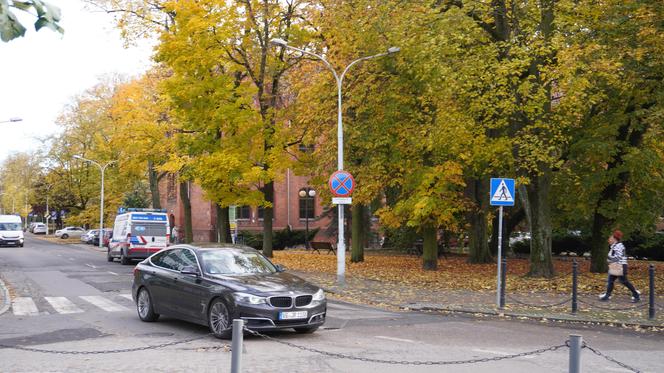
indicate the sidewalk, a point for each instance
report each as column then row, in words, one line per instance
column 618, row 312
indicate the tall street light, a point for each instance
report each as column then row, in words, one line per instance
column 11, row 120
column 101, row 209
column 341, row 245
column 308, row 194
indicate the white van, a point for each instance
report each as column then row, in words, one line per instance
column 137, row 234
column 11, row 230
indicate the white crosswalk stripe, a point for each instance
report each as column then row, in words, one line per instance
column 104, row 303
column 24, row 306
column 127, row 296
column 63, row 305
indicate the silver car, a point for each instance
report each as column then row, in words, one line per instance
column 69, row 232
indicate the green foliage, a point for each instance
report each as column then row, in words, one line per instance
column 138, row 197
column 646, row 246
column 10, row 28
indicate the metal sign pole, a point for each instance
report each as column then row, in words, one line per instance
column 500, row 254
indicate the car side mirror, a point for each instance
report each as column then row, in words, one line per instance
column 280, row 268
column 190, row 270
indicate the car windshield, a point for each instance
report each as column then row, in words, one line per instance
column 232, row 262
column 10, row 227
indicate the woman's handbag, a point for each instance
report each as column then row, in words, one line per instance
column 615, row 269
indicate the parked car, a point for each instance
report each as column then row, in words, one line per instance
column 39, row 228
column 214, row 285
column 87, row 236
column 95, row 237
column 69, row 232
column 11, row 230
column 32, row 226
column 518, row 237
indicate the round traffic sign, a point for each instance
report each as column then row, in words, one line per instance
column 342, row 183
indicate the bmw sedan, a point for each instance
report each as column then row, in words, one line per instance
column 214, row 285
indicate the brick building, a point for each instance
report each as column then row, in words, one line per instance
column 289, row 209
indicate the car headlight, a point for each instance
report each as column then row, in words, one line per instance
column 248, row 298
column 319, row 296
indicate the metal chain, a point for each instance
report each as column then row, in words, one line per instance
column 538, row 305
column 609, row 358
column 406, row 362
column 154, row 347
column 613, row 308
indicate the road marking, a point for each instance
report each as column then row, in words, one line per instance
column 63, row 305
column 113, row 273
column 499, row 353
column 127, row 296
column 396, row 339
column 91, row 266
column 24, row 306
column 104, row 303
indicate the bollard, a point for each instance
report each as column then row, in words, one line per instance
column 575, row 344
column 236, row 346
column 503, row 266
column 651, row 295
column 575, row 283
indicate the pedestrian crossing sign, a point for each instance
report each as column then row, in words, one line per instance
column 502, row 192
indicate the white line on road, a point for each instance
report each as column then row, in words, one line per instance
column 127, row 296
column 24, row 306
column 499, row 353
column 113, row 273
column 91, row 266
column 63, row 305
column 104, row 303
column 395, row 339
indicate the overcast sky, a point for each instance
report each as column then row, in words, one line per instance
column 40, row 72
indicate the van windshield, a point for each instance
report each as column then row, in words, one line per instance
column 10, row 227
column 147, row 229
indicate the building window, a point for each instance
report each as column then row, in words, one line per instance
column 242, row 212
column 307, row 207
column 260, row 212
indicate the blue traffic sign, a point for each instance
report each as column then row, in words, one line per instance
column 502, row 192
column 342, row 183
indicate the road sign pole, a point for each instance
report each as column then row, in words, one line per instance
column 500, row 254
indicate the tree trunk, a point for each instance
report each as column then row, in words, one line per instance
column 358, row 237
column 223, row 225
column 268, row 213
column 478, row 190
column 599, row 248
column 186, row 206
column 153, row 178
column 541, row 264
column 430, row 249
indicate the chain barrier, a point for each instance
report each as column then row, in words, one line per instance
column 609, row 358
column 153, row 347
column 538, row 305
column 406, row 362
column 642, row 305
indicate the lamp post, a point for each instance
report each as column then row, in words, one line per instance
column 341, row 245
column 101, row 207
column 11, row 120
column 308, row 194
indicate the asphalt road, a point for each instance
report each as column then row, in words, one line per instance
column 68, row 298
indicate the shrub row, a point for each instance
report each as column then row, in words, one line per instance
column 281, row 239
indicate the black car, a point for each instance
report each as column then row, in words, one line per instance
column 214, row 285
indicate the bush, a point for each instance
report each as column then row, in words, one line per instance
column 642, row 247
column 281, row 239
column 521, row 247
column 569, row 242
column 400, row 238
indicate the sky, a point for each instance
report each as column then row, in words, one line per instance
column 42, row 71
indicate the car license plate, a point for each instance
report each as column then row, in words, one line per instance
column 292, row 315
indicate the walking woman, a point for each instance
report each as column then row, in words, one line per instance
column 618, row 268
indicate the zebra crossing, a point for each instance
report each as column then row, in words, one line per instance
column 27, row 306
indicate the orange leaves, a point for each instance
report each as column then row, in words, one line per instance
column 455, row 273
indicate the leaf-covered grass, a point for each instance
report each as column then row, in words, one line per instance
column 455, row 273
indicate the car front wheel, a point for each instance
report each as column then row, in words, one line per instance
column 219, row 320
column 64, row 236
column 144, row 306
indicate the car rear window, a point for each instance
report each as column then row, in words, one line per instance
column 146, row 229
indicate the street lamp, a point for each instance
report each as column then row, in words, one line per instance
column 341, row 246
column 101, row 209
column 11, row 120
column 307, row 193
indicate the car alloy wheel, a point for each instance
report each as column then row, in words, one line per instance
column 219, row 320
column 144, row 306
column 65, row 236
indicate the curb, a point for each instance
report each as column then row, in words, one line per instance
column 5, row 297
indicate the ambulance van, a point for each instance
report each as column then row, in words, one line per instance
column 137, row 234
